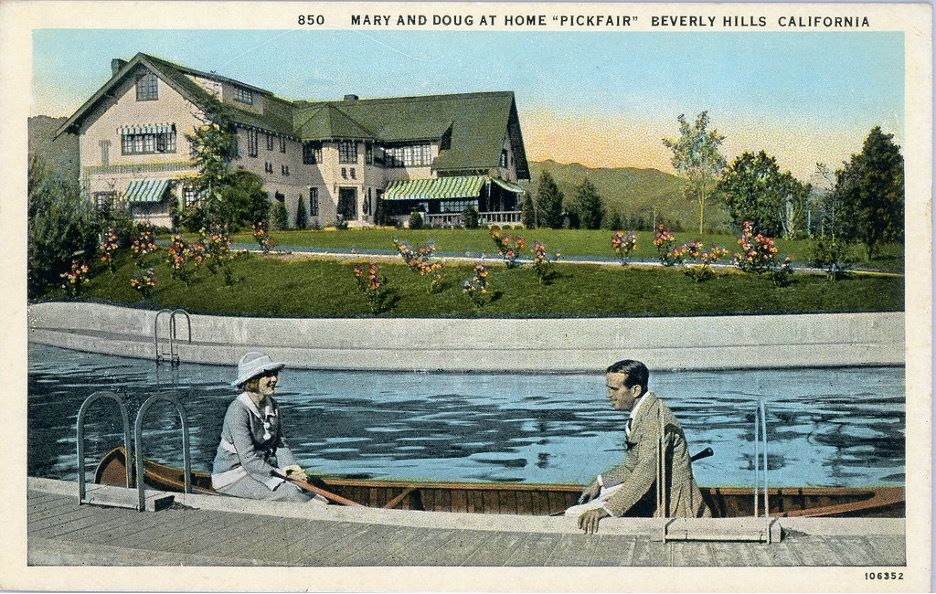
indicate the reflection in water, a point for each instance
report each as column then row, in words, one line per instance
column 826, row 427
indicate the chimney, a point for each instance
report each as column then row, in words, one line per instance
column 116, row 65
column 350, row 98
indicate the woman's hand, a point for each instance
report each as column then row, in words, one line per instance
column 294, row 471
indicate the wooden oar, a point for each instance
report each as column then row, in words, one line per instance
column 317, row 490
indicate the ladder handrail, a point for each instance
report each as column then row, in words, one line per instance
column 125, row 417
column 186, row 454
column 760, row 453
column 156, row 332
column 173, row 337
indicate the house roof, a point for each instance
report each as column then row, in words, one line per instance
column 471, row 127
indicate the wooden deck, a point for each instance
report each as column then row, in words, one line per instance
column 225, row 531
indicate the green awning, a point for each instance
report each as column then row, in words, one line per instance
column 146, row 190
column 442, row 188
column 507, row 185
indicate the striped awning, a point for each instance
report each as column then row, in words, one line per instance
column 146, row 129
column 442, row 188
column 146, row 190
column 507, row 185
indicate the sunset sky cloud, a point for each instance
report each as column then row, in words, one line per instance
column 603, row 99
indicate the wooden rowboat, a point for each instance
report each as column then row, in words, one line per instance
column 538, row 500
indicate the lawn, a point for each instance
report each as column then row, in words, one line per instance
column 280, row 286
column 568, row 242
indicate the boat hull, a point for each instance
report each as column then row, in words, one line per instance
column 539, row 500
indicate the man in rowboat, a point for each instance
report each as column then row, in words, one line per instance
column 253, row 445
column 651, row 429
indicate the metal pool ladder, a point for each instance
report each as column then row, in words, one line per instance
column 760, row 448
column 135, row 454
column 173, row 354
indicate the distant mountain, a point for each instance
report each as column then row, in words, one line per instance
column 640, row 196
column 61, row 154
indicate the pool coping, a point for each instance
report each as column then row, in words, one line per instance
column 490, row 345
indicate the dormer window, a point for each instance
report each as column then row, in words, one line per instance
column 147, row 87
column 243, row 95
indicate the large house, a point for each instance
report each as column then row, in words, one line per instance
column 436, row 154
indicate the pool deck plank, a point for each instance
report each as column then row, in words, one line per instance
column 62, row 532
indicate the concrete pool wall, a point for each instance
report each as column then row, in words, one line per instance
column 566, row 345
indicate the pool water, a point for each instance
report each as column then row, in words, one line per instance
column 834, row 427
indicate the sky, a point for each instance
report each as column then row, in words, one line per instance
column 602, row 99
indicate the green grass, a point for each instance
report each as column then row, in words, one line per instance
column 320, row 288
column 568, row 242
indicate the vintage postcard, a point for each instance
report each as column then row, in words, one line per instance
column 467, row 296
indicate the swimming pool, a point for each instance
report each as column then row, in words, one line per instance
column 836, row 427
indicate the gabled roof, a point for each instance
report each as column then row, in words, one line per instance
column 472, row 127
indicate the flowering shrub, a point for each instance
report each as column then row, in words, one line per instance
column 110, row 241
column 262, row 235
column 781, row 275
column 178, row 257
column 75, row 278
column 373, row 285
column 476, row 287
column 701, row 270
column 419, row 260
column 144, row 243
column 542, row 265
column 508, row 246
column 758, row 252
column 144, row 281
column 623, row 243
column 665, row 241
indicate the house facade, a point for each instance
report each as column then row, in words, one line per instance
column 434, row 154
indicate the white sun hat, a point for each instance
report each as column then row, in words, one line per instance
column 253, row 364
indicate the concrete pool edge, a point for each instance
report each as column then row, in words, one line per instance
column 554, row 345
column 492, row 522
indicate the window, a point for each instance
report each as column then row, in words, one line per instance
column 353, row 173
column 415, row 155
column 284, row 169
column 104, row 200
column 368, row 153
column 311, row 153
column 282, row 144
column 347, row 151
column 243, row 95
column 253, row 142
column 147, row 88
column 189, row 197
column 105, row 152
column 344, row 173
column 457, row 205
column 269, row 141
column 268, row 167
column 313, row 202
column 144, row 144
column 503, row 158
column 235, row 146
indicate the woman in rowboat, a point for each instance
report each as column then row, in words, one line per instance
column 253, row 444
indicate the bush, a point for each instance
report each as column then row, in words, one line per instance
column 831, row 255
column 471, row 217
column 280, row 216
column 302, row 217
column 63, row 226
column 415, row 220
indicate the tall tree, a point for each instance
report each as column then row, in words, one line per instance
column 871, row 188
column 589, row 206
column 549, row 200
column 697, row 158
column 528, row 211
column 754, row 189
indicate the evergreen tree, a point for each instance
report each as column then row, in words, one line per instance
column 549, row 200
column 528, row 211
column 871, row 189
column 280, row 216
column 302, row 217
column 589, row 205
